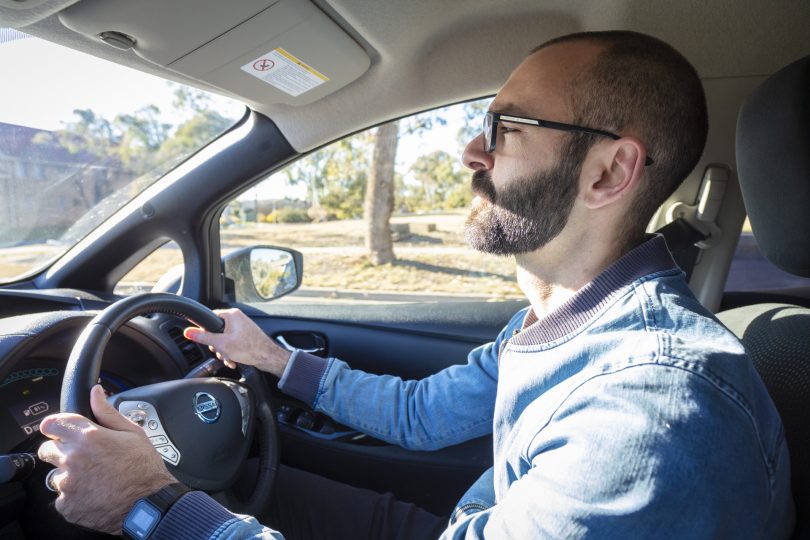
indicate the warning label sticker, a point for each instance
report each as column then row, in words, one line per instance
column 285, row 72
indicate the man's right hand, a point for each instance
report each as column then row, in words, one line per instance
column 242, row 342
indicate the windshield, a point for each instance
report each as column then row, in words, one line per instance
column 79, row 138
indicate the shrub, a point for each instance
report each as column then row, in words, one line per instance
column 288, row 215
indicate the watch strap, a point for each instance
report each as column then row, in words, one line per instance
column 164, row 498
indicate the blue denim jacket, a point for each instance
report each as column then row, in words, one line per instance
column 628, row 412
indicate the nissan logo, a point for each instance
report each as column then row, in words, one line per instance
column 206, row 407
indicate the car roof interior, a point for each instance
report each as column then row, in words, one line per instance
column 387, row 59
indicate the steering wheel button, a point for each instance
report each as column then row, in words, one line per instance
column 158, row 440
column 143, row 406
column 137, row 417
column 168, row 453
column 152, row 424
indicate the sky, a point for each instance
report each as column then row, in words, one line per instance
column 45, row 82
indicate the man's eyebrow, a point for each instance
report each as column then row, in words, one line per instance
column 511, row 109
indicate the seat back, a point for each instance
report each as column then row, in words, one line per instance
column 777, row 338
column 773, row 165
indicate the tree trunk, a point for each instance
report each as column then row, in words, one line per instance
column 379, row 203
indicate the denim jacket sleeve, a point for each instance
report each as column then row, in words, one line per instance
column 622, row 457
column 196, row 515
column 449, row 407
column 479, row 497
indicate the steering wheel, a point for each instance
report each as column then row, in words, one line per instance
column 203, row 427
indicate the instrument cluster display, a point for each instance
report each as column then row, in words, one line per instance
column 30, row 394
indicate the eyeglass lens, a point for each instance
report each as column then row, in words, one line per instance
column 488, row 132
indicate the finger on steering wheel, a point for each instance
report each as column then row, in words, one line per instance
column 50, row 452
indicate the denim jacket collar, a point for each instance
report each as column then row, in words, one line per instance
column 648, row 258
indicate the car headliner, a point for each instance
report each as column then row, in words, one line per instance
column 426, row 53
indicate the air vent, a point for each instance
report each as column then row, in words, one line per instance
column 190, row 350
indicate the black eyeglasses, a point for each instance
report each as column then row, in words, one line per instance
column 491, row 120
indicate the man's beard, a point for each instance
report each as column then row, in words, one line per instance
column 528, row 212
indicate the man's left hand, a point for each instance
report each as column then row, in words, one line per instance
column 102, row 469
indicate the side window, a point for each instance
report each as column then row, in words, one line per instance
column 166, row 263
column 751, row 271
column 331, row 205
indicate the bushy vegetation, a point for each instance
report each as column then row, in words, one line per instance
column 336, row 176
column 94, row 164
column 287, row 215
column 142, row 140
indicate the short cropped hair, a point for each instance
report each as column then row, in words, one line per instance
column 641, row 82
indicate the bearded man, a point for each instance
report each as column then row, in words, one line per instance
column 619, row 406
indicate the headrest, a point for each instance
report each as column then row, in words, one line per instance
column 773, row 164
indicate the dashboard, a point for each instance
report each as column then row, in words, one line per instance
column 37, row 334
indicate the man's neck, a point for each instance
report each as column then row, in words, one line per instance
column 553, row 274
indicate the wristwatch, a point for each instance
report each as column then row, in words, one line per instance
column 147, row 512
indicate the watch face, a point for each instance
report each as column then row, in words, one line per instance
column 141, row 520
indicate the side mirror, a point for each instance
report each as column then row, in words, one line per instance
column 262, row 273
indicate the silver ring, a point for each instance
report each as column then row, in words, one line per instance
column 49, row 480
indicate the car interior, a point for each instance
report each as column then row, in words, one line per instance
column 357, row 64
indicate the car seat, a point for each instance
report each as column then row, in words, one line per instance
column 773, row 165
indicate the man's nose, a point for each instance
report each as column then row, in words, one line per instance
column 474, row 156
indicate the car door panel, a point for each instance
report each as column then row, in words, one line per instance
column 433, row 480
column 408, row 347
column 411, row 341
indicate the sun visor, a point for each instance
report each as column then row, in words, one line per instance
column 19, row 13
column 283, row 51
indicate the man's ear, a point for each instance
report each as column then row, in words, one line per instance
column 613, row 172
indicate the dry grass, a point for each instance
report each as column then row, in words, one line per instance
column 465, row 274
column 431, row 262
column 350, row 232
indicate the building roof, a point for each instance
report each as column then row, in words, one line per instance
column 18, row 142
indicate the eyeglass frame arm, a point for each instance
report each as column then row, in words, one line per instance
column 496, row 117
